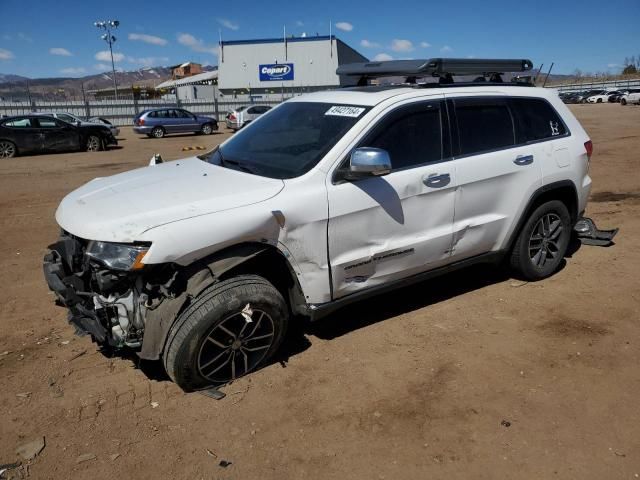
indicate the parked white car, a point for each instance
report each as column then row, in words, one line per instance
column 630, row 98
column 326, row 199
column 242, row 116
column 602, row 97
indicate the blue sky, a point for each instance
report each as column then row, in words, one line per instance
column 58, row 38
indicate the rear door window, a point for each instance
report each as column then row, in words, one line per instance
column 484, row 124
column 535, row 119
column 48, row 122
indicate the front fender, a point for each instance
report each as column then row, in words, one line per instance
column 190, row 282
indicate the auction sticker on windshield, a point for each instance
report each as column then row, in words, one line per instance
column 345, row 111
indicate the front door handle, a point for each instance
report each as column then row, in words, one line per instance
column 437, row 181
column 522, row 160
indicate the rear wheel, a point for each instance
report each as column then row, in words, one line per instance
column 7, row 149
column 231, row 329
column 157, row 132
column 94, row 144
column 542, row 242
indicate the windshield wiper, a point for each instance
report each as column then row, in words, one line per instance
column 235, row 163
column 226, row 163
column 241, row 166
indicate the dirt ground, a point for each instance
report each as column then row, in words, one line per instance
column 472, row 375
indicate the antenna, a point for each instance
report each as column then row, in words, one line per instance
column 547, row 77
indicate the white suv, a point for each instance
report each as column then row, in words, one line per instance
column 324, row 200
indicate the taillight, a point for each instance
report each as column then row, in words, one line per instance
column 232, row 117
column 141, row 121
column 588, row 145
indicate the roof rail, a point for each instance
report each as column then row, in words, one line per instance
column 437, row 67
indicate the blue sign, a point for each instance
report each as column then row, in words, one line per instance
column 276, row 72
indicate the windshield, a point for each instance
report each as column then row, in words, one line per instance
column 289, row 140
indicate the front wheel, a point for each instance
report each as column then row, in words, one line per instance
column 94, row 144
column 542, row 242
column 623, row 101
column 230, row 329
column 207, row 129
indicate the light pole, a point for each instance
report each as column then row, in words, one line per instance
column 107, row 25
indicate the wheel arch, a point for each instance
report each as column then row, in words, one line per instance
column 564, row 190
column 254, row 258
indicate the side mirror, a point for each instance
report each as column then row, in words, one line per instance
column 368, row 162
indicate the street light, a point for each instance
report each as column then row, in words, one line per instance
column 110, row 39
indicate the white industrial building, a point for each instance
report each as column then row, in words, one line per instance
column 283, row 66
column 201, row 85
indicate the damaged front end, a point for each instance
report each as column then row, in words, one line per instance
column 106, row 287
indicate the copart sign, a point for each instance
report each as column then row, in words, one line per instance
column 276, row 72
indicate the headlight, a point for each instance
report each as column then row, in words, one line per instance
column 118, row 256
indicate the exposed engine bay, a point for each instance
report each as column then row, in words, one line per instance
column 109, row 303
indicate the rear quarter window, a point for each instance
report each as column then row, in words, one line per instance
column 535, row 119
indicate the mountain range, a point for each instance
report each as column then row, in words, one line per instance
column 18, row 87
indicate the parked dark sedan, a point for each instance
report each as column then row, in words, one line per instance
column 161, row 121
column 38, row 133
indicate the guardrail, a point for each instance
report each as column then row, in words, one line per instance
column 122, row 112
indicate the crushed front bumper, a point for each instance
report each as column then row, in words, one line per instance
column 70, row 283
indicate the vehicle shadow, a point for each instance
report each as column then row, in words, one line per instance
column 376, row 309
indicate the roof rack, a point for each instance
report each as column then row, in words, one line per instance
column 435, row 67
column 443, row 68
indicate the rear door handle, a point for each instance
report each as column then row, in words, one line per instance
column 522, row 160
column 437, row 181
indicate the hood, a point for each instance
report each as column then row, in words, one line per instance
column 121, row 207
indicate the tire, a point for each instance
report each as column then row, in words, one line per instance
column 212, row 337
column 207, row 129
column 540, row 246
column 623, row 101
column 94, row 144
column 7, row 149
column 157, row 132
column 599, row 100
